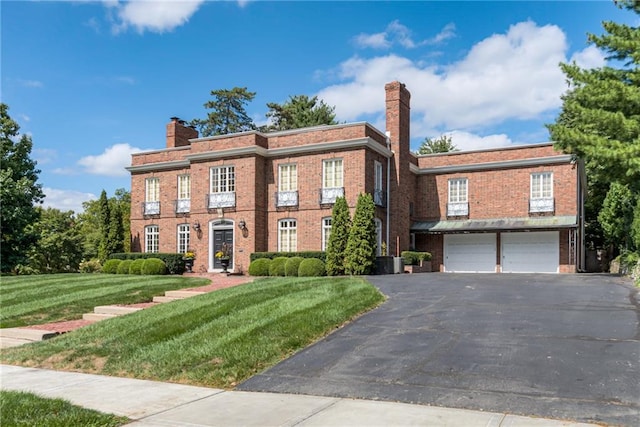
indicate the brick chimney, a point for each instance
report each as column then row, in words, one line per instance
column 402, row 185
column 178, row 134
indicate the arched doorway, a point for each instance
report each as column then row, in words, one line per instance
column 220, row 231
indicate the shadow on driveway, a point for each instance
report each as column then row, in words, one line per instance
column 556, row 346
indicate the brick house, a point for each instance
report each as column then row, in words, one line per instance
column 275, row 191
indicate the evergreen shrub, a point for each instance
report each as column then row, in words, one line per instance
column 276, row 268
column 414, row 258
column 305, row 254
column 311, row 267
column 173, row 261
column 111, row 266
column 136, row 266
column 123, row 267
column 153, row 266
column 292, row 265
column 259, row 267
column 90, row 266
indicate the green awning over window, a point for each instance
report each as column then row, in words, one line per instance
column 480, row 225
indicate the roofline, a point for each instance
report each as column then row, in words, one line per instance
column 483, row 150
column 504, row 164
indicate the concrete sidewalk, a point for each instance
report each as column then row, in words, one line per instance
column 151, row 403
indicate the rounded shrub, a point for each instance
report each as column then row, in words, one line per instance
column 123, row 267
column 90, row 266
column 111, row 266
column 260, row 267
column 153, row 266
column 311, row 267
column 276, row 268
column 292, row 265
column 136, row 266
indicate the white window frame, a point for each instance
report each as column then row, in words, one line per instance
column 152, row 239
column 456, row 193
column 288, row 235
column 184, row 238
column 542, row 185
column 222, row 179
column 152, row 190
column 184, row 187
column 326, row 231
column 288, row 177
column 378, row 176
column 332, row 173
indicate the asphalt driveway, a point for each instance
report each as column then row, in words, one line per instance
column 557, row 346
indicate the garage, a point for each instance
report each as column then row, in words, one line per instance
column 534, row 252
column 470, row 253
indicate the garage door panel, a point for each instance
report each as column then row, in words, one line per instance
column 535, row 252
column 470, row 253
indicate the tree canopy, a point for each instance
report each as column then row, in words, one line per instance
column 298, row 112
column 228, row 113
column 19, row 191
column 442, row 144
column 600, row 121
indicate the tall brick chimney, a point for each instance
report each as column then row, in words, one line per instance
column 178, row 134
column 402, row 185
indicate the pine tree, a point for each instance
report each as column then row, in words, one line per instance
column 361, row 247
column 298, row 112
column 115, row 239
column 337, row 245
column 228, row 113
column 443, row 144
column 105, row 224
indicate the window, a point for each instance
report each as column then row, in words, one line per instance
column 288, row 177
column 542, row 185
column 183, row 203
column 151, row 239
column 332, row 173
column 287, row 235
column 183, row 238
column 378, row 224
column 378, row 194
column 152, row 196
column 326, row 232
column 458, row 203
column 223, row 179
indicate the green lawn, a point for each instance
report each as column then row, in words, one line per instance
column 216, row 339
column 32, row 300
column 26, row 409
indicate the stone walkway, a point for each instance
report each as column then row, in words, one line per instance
column 11, row 337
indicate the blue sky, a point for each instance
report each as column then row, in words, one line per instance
column 94, row 81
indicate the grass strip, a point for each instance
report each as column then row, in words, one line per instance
column 217, row 339
column 27, row 409
column 28, row 300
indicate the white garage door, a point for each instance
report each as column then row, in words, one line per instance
column 470, row 253
column 537, row 252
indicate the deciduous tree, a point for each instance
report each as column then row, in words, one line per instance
column 60, row 243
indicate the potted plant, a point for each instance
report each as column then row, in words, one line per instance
column 188, row 259
column 224, row 255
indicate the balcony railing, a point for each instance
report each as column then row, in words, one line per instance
column 286, row 199
column 380, row 198
column 183, row 206
column 458, row 209
column 221, row 200
column 329, row 195
column 150, row 208
column 546, row 204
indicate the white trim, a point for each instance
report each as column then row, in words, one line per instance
column 325, row 235
column 506, row 164
column 221, row 224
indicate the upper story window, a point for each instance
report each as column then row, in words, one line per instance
column 222, row 193
column 541, row 192
column 152, row 239
column 287, row 235
column 152, row 196
column 379, row 196
column 326, row 232
column 458, row 201
column 332, row 181
column 183, row 204
column 287, row 185
column 183, row 238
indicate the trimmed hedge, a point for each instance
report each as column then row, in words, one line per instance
column 136, row 266
column 414, row 258
column 153, row 266
column 277, row 266
column 292, row 266
column 321, row 255
column 311, row 267
column 260, row 267
column 124, row 266
column 111, row 266
column 173, row 261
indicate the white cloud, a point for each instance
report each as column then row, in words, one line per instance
column 111, row 162
column 448, row 32
column 465, row 141
column 591, row 57
column 44, row 155
column 514, row 75
column 66, row 200
column 154, row 16
column 398, row 34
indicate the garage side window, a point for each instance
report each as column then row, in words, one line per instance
column 541, row 192
column 458, row 202
column 326, row 232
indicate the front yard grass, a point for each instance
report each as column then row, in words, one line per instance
column 32, row 300
column 216, row 339
column 27, row 409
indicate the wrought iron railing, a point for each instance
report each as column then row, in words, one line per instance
column 221, row 200
column 183, row 206
column 380, row 198
column 546, row 204
column 458, row 209
column 329, row 195
column 150, row 208
column 286, row 199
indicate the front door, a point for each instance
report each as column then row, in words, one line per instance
column 221, row 236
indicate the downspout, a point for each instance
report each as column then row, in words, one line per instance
column 388, row 139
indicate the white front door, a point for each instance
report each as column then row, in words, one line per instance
column 470, row 253
column 534, row 252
